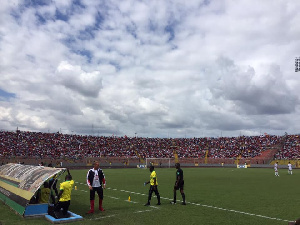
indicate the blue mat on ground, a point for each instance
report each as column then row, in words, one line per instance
column 73, row 217
column 36, row 210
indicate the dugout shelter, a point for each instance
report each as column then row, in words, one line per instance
column 19, row 184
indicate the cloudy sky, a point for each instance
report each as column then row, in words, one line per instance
column 150, row 68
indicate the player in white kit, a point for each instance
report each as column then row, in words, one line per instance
column 276, row 169
column 290, row 168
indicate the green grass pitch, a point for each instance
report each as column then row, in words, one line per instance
column 224, row 196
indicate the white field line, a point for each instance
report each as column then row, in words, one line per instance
column 154, row 207
column 206, row 206
column 111, row 197
column 142, row 211
column 218, row 208
column 130, row 201
column 104, row 217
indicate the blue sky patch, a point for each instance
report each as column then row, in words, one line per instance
column 36, row 3
column 99, row 20
column 169, row 29
column 41, row 19
column 86, row 53
column 61, row 16
column 87, row 33
column 78, row 3
column 5, row 96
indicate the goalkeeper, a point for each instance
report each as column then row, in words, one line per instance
column 153, row 186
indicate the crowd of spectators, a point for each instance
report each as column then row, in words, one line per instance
column 290, row 149
column 57, row 145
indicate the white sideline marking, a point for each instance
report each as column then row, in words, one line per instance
column 241, row 212
column 111, row 197
column 148, row 210
column 214, row 207
column 130, row 201
column 202, row 205
column 165, row 198
column 104, row 217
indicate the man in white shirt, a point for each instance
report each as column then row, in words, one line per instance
column 95, row 181
column 276, row 169
column 290, row 168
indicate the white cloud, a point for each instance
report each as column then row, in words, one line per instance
column 159, row 68
column 72, row 77
column 34, row 121
column 5, row 114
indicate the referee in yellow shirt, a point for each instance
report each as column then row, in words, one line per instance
column 64, row 197
column 153, row 186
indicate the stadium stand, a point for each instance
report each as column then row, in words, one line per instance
column 57, row 148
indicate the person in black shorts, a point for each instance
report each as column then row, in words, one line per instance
column 179, row 184
column 153, row 186
column 96, row 183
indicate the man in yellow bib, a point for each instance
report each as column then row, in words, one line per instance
column 153, row 186
column 44, row 193
column 64, row 196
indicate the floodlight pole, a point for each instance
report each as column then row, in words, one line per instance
column 297, row 64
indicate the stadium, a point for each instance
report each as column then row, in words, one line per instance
column 149, row 112
column 231, row 178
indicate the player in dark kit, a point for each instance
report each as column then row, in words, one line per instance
column 179, row 184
